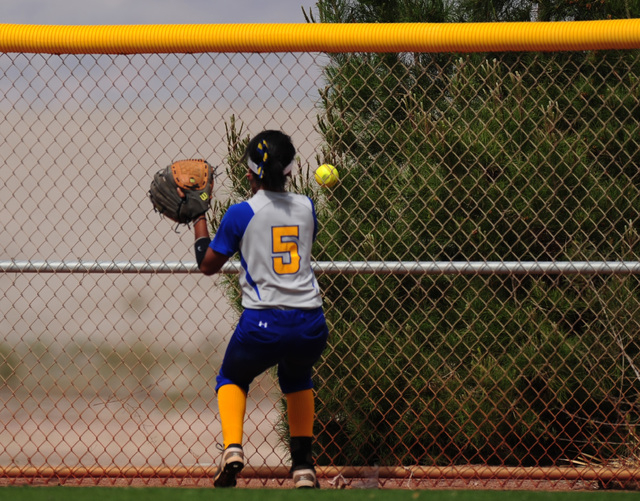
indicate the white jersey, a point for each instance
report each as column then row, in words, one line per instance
column 274, row 233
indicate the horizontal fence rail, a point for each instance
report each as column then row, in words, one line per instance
column 335, row 474
column 346, row 267
column 321, row 37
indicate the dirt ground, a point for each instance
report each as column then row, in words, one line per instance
column 327, row 483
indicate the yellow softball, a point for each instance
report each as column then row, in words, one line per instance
column 327, row 175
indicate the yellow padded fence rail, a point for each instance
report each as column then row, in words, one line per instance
column 396, row 37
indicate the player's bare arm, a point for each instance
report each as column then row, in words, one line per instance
column 209, row 261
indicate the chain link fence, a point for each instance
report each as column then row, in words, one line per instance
column 479, row 262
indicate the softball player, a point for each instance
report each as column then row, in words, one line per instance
column 282, row 323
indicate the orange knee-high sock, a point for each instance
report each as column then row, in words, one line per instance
column 232, row 404
column 300, row 412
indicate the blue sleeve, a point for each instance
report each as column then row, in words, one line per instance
column 231, row 229
column 315, row 220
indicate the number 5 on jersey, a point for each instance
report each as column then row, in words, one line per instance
column 285, row 245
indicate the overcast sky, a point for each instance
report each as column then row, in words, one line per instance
column 105, row 12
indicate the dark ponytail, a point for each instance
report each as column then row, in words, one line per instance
column 271, row 152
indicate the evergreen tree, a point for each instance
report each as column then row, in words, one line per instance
column 485, row 157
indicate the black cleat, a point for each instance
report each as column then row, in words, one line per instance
column 231, row 464
column 305, row 478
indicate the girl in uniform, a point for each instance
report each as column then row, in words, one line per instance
column 282, row 323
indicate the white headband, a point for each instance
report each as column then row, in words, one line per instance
column 254, row 167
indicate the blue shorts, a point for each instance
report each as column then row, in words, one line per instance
column 291, row 339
